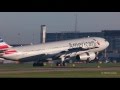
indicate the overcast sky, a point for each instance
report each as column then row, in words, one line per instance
column 27, row 23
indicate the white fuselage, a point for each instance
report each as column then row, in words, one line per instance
column 56, row 47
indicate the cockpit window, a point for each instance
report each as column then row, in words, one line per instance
column 94, row 39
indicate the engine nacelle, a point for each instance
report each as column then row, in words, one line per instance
column 86, row 56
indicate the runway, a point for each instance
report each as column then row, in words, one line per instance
column 58, row 69
column 79, row 70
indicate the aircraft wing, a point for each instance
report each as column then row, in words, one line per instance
column 69, row 51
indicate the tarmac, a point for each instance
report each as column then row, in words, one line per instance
column 53, row 69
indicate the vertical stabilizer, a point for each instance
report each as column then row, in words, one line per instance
column 3, row 45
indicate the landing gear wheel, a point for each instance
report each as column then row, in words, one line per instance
column 61, row 64
column 57, row 64
column 64, row 64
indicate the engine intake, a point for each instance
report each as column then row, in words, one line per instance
column 86, row 56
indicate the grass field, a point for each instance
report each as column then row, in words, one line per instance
column 6, row 71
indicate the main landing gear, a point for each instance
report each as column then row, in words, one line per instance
column 61, row 63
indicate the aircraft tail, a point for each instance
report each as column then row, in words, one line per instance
column 3, row 45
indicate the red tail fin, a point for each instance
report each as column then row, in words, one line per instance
column 3, row 45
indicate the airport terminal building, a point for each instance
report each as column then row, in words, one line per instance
column 113, row 36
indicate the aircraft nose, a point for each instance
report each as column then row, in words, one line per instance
column 107, row 43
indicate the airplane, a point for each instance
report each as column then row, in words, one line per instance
column 86, row 48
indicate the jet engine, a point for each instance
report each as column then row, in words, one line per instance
column 86, row 56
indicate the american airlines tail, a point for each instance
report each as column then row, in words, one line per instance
column 3, row 45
